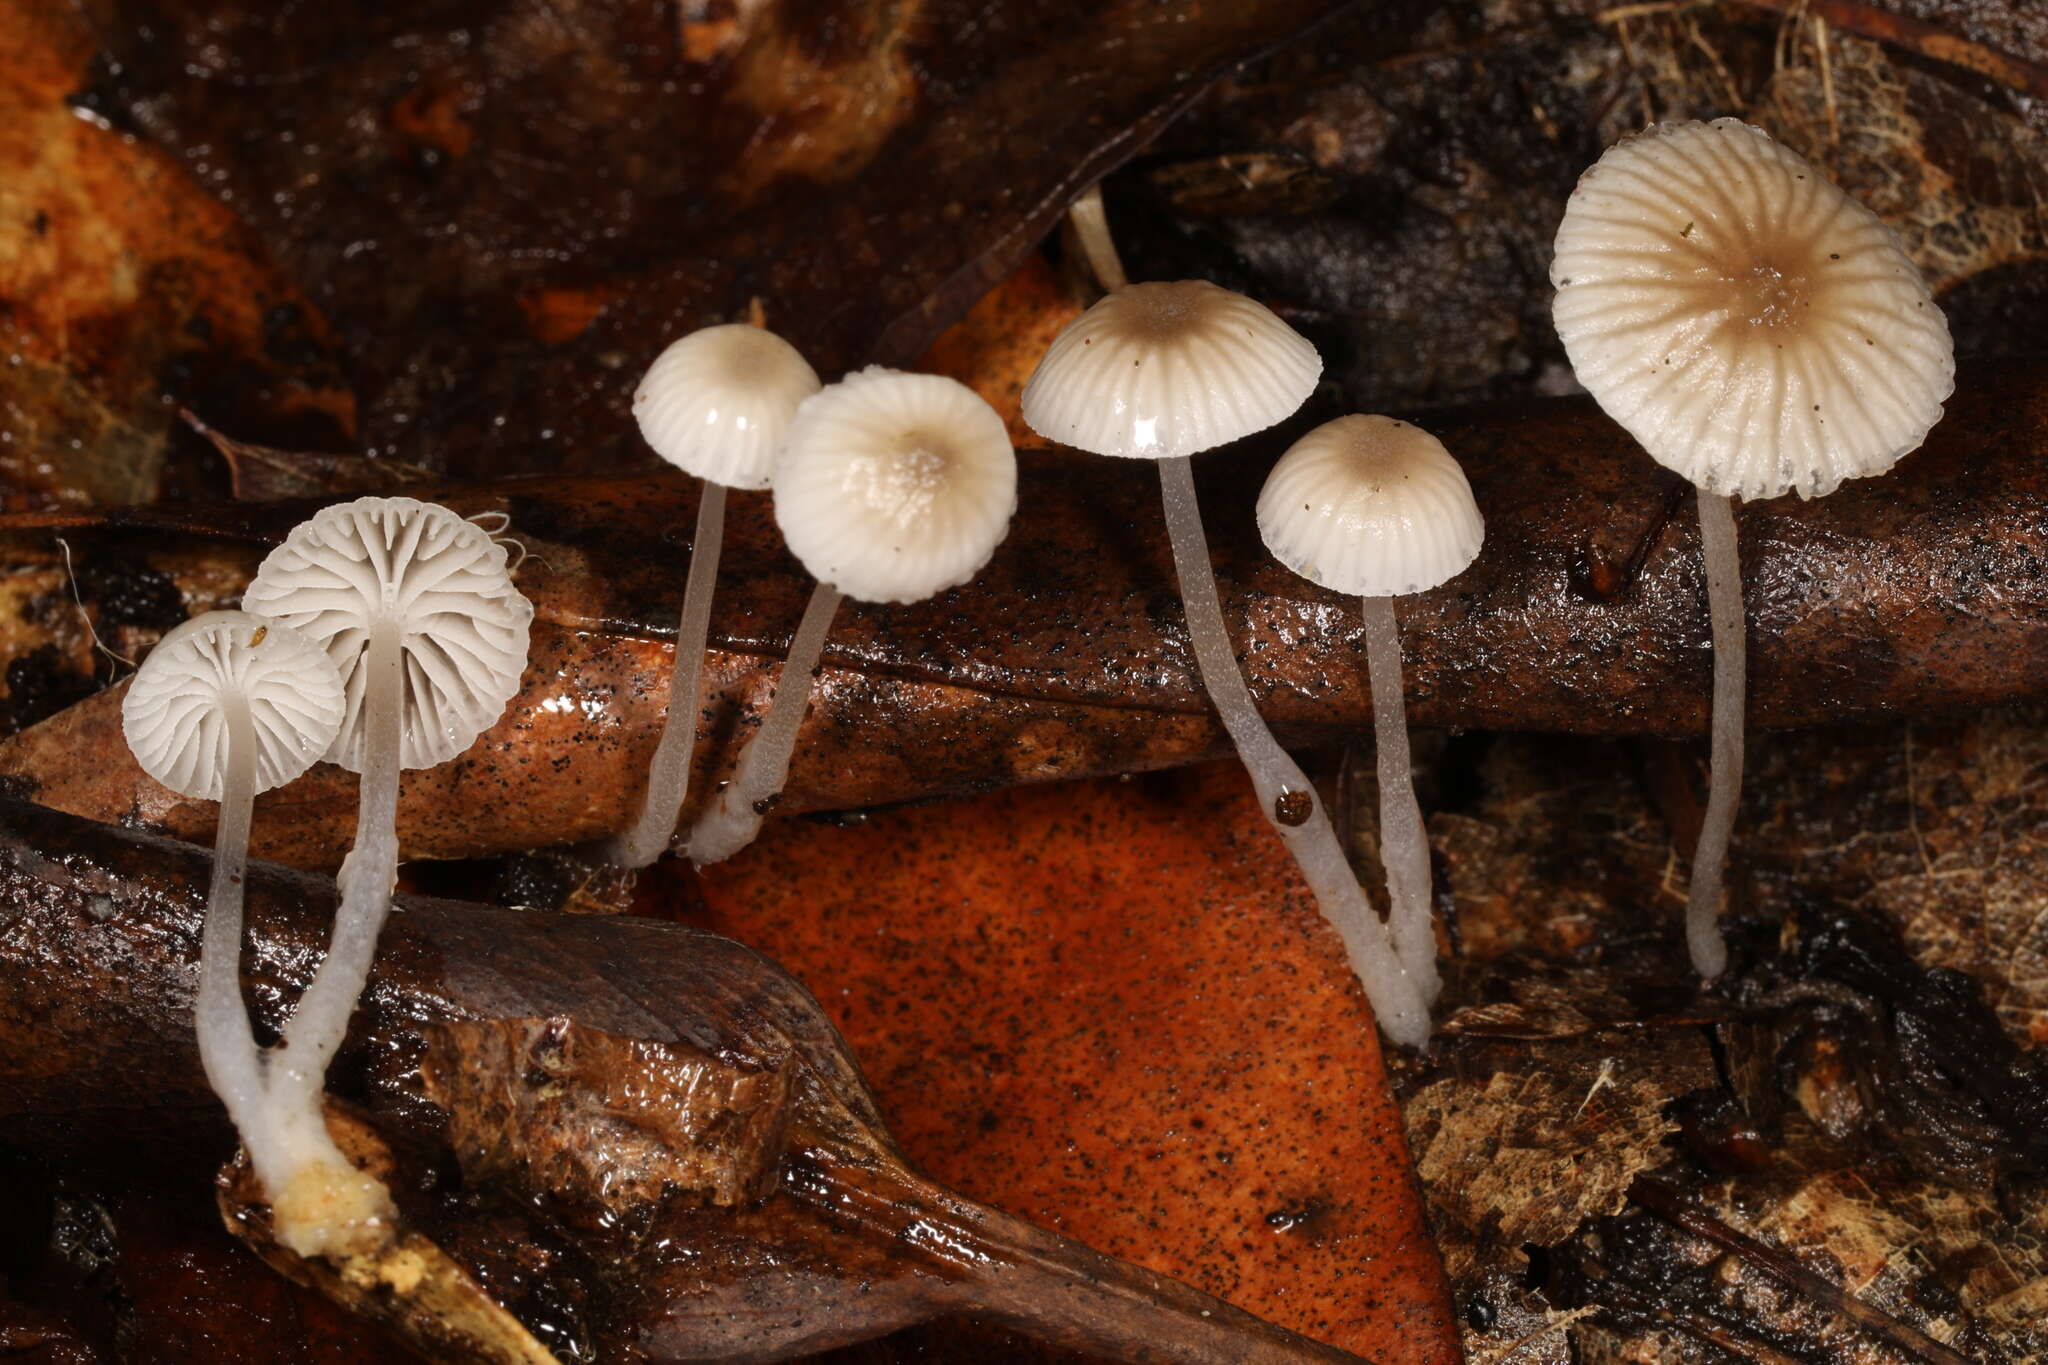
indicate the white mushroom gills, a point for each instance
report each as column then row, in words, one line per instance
column 228, row 705
column 1162, row 371
column 717, row 404
column 894, row 487
column 1377, row 508
column 1757, row 331
column 416, row 609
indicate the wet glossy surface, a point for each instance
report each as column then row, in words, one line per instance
column 1923, row 590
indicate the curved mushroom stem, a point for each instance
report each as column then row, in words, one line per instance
column 325, row 1203
column 668, row 776
column 227, row 1045
column 735, row 818
column 1404, row 845
column 1284, row 791
column 1724, row 604
column 1091, row 227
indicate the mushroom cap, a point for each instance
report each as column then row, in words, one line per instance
column 895, row 487
column 1752, row 326
column 462, row 625
column 1370, row 506
column 175, row 713
column 1156, row 371
column 718, row 403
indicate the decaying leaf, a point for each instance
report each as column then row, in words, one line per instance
column 1117, row 985
column 1068, row 656
column 856, row 175
column 100, row 946
column 128, row 289
column 1837, row 1108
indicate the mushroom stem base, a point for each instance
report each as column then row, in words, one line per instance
column 731, row 823
column 1724, row 604
column 668, row 776
column 1289, row 799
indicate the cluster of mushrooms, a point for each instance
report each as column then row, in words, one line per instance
column 1754, row 328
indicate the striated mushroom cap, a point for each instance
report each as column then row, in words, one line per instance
column 443, row 583
column 1156, row 371
column 175, row 715
column 895, row 487
column 1370, row 506
column 718, row 402
column 1753, row 327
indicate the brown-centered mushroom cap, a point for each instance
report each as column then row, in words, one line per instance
column 1755, row 328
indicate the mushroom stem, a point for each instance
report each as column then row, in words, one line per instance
column 367, row 878
column 1724, row 604
column 1091, row 229
column 227, row 1045
column 1404, row 845
column 1284, row 791
column 733, row 821
column 668, row 777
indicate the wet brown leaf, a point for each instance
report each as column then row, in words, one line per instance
column 1067, row 657
column 127, row 289
column 97, row 963
column 509, row 206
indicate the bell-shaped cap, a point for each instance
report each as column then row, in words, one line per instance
column 440, row 581
column 1753, row 327
column 895, row 486
column 1370, row 506
column 1156, row 371
column 176, row 713
column 718, row 403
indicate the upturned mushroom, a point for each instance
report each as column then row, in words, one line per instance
column 416, row 609
column 1377, row 508
column 228, row 705
column 1758, row 332
column 1161, row 372
column 716, row 404
column 893, row 487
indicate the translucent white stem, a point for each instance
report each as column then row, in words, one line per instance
column 1284, row 791
column 1724, row 605
column 323, row 1205
column 1091, row 229
column 668, row 776
column 735, row 818
column 227, row 1046
column 1404, row 845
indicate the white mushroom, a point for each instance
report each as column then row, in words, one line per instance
column 1378, row 508
column 1160, row 372
column 893, row 488
column 416, row 609
column 226, row 706
column 1759, row 332
column 716, row 404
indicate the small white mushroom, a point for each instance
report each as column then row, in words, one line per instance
column 893, row 488
column 1160, row 372
column 226, row 706
column 1377, row 507
column 1759, row 332
column 716, row 404
column 416, row 609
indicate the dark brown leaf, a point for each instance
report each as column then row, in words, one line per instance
column 1923, row 590
column 98, row 941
